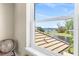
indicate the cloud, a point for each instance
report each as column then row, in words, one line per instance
column 71, row 13
column 65, row 10
column 68, row 12
column 51, row 5
column 41, row 16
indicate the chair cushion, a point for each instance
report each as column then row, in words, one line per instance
column 6, row 45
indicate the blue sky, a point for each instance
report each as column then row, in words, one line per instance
column 46, row 10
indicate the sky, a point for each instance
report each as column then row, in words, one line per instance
column 48, row 10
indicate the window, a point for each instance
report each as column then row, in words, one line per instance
column 52, row 28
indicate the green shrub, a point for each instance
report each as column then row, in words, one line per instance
column 40, row 29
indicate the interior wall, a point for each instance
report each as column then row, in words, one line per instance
column 20, row 28
column 6, row 21
column 12, row 23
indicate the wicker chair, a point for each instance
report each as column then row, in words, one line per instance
column 7, row 47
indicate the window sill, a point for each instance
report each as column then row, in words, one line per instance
column 34, row 52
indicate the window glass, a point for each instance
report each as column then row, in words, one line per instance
column 54, row 27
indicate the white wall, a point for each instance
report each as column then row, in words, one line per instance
column 6, row 21
column 20, row 22
column 12, row 24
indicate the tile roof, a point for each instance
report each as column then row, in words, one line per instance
column 52, row 44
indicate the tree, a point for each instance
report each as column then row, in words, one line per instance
column 60, row 29
column 69, row 26
column 40, row 29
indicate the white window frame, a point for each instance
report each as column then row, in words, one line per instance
column 30, row 33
